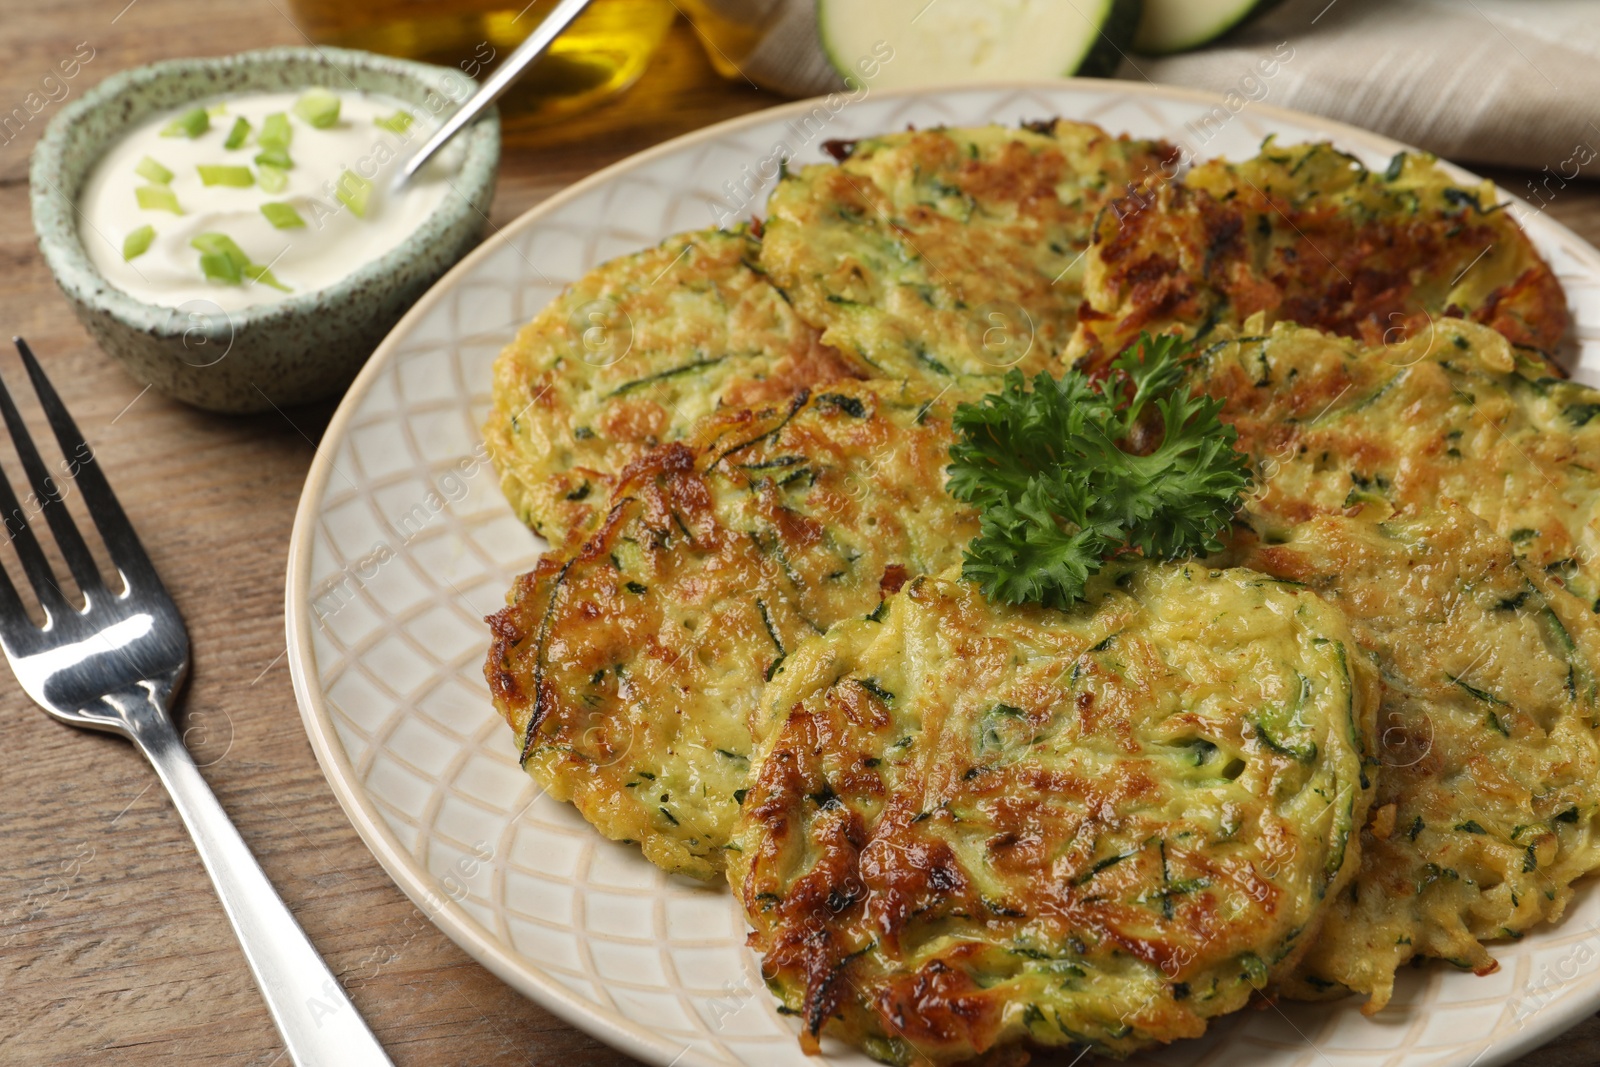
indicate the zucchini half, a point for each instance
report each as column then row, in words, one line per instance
column 1179, row 25
column 907, row 43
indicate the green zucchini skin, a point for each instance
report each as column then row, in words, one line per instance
column 1115, row 40
column 1149, row 41
column 1109, row 32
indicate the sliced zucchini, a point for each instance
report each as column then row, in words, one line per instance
column 903, row 43
column 1179, row 25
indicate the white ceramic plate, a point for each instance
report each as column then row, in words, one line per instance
column 402, row 544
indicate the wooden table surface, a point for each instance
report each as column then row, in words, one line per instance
column 113, row 948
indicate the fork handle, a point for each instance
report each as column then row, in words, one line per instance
column 319, row 1024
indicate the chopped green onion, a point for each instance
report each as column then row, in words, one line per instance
column 158, row 198
column 150, row 170
column 221, row 259
column 274, row 157
column 220, row 243
column 318, row 107
column 222, row 174
column 272, row 179
column 137, row 243
column 256, row 272
column 217, row 109
column 236, row 136
column 283, row 216
column 220, row 268
column 275, row 131
column 354, row 192
column 399, row 122
column 190, row 124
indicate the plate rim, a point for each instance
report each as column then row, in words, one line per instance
column 414, row 880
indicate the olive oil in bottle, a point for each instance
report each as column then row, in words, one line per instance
column 730, row 29
column 602, row 53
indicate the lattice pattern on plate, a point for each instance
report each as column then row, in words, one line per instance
column 402, row 544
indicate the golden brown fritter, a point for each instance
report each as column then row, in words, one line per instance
column 630, row 356
column 629, row 664
column 1454, row 413
column 1305, row 234
column 1486, row 807
column 973, row 825
column 951, row 251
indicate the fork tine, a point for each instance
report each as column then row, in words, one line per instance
column 12, row 612
column 115, row 529
column 71, row 542
column 34, row 565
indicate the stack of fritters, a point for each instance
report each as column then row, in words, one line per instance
column 1363, row 733
column 1445, row 493
column 714, row 499
column 1486, row 806
column 630, row 664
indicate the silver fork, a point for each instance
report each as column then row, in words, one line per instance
column 116, row 665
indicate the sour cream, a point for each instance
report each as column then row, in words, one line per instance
column 332, row 243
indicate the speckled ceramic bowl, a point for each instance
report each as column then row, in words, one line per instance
column 307, row 346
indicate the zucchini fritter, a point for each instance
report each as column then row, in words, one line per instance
column 1306, row 234
column 1454, row 412
column 973, row 825
column 943, row 251
column 628, row 664
column 630, row 356
column 1486, row 808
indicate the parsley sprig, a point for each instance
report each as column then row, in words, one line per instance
column 1072, row 472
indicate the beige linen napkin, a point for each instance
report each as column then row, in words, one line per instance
column 1494, row 81
column 1515, row 82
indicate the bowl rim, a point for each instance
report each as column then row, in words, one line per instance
column 83, row 283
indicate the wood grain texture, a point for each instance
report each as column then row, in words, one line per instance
column 113, row 948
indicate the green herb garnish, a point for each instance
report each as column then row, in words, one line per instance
column 256, row 272
column 236, row 136
column 157, row 198
column 151, row 171
column 399, row 122
column 318, row 107
column 223, row 174
column 275, row 131
column 222, row 260
column 354, row 192
column 190, row 124
column 274, row 157
column 1061, row 485
column 220, row 268
column 271, row 179
column 283, row 216
column 137, row 243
